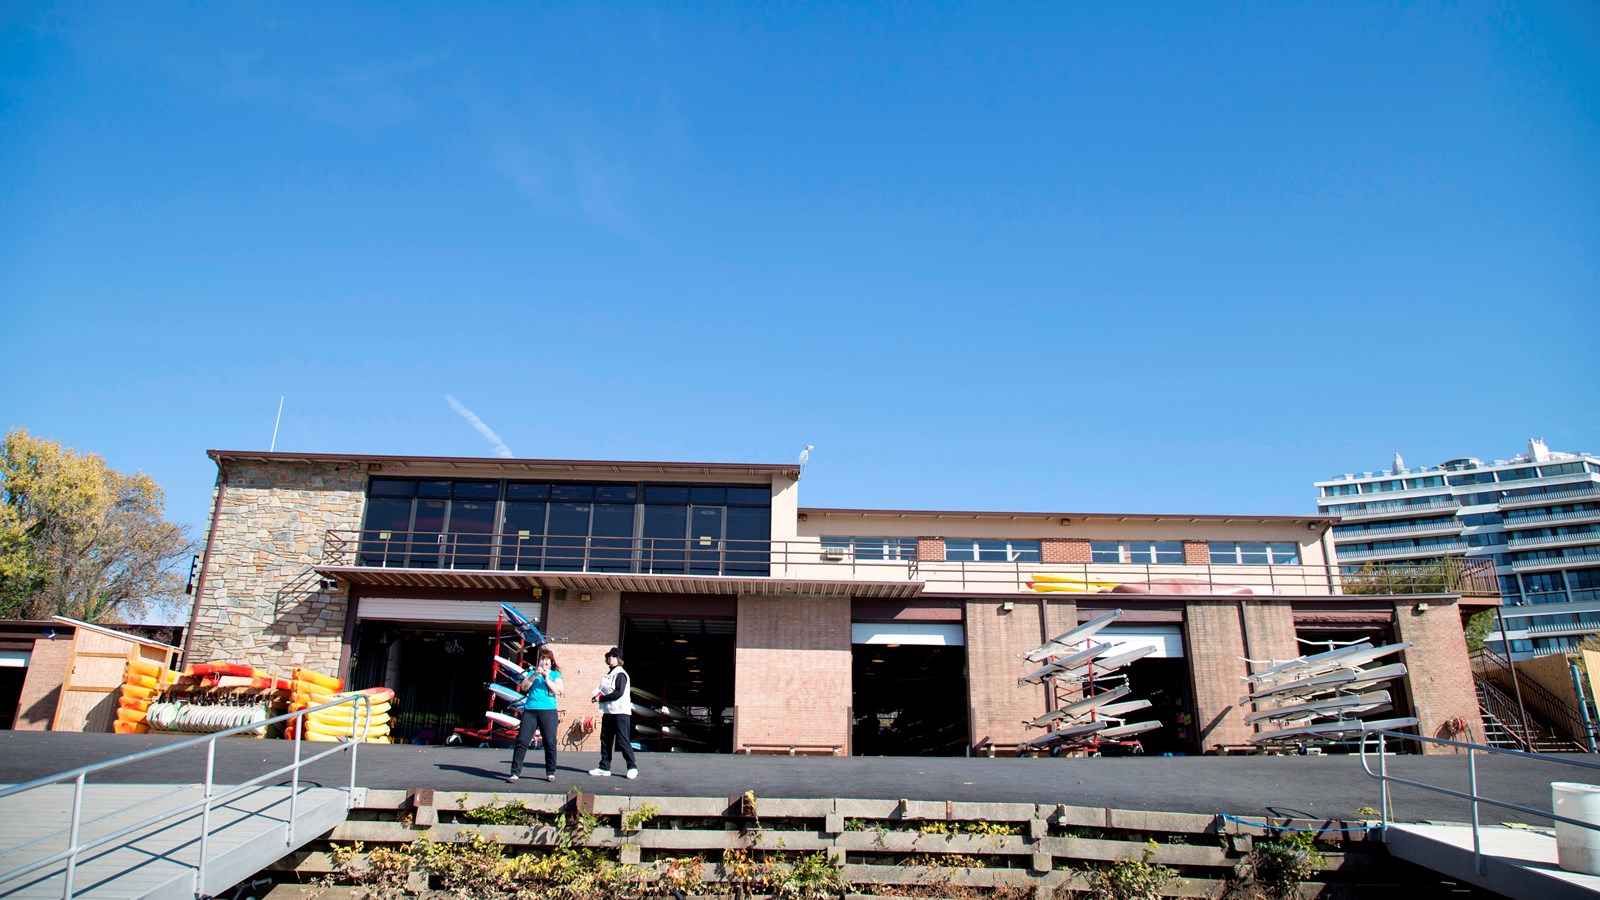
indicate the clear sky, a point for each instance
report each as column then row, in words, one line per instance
column 1178, row 258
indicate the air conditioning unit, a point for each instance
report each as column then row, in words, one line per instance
column 835, row 552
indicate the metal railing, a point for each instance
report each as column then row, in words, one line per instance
column 1384, row 780
column 809, row 559
column 361, row 705
column 1567, row 723
column 1524, row 521
column 1586, row 537
column 1540, row 499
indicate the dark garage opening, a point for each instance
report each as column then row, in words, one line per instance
column 439, row 675
column 685, row 667
column 908, row 700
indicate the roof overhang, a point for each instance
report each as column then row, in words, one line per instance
column 1069, row 518
column 379, row 463
column 601, row 581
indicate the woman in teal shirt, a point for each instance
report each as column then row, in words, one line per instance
column 543, row 686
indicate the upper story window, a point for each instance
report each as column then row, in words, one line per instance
column 991, row 550
column 869, row 547
column 1248, row 553
column 1146, row 552
column 1571, row 468
column 1340, row 490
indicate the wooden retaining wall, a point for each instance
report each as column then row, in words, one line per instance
column 884, row 845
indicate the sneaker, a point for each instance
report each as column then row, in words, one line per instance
column 633, row 773
column 550, row 778
column 599, row 773
column 511, row 778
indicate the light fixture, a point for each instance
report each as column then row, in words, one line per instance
column 1008, row 606
column 585, row 597
column 1066, row 520
column 680, row 640
column 877, row 660
column 537, row 593
column 691, row 658
column 1311, row 526
column 694, row 671
column 891, row 646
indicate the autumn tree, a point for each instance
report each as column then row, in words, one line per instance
column 80, row 539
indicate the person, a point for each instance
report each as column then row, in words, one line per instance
column 542, row 685
column 615, row 697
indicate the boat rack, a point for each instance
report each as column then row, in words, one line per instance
column 1090, row 703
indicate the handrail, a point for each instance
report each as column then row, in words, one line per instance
column 1505, row 712
column 210, row 797
column 517, row 551
column 1564, row 719
column 1384, row 778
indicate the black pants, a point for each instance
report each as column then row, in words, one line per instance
column 617, row 728
column 543, row 721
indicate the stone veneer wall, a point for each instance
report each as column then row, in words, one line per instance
column 261, row 603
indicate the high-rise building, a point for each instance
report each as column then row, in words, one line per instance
column 1537, row 516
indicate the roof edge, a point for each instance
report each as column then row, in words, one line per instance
column 284, row 456
column 1074, row 516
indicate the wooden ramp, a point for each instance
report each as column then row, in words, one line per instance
column 1518, row 863
column 249, row 832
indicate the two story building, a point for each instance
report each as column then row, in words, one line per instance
column 764, row 625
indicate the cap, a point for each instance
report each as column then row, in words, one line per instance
column 615, row 651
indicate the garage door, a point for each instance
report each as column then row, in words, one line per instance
column 410, row 610
column 1167, row 639
column 928, row 634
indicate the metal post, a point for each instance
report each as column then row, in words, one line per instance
column 1477, row 831
column 355, row 707
column 1516, row 686
column 1383, row 779
column 77, row 817
column 294, row 782
column 1583, row 705
column 205, row 818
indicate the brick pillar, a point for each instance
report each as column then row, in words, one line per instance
column 1196, row 553
column 1441, row 689
column 1214, row 641
column 1064, row 550
column 41, row 687
column 930, row 549
column 589, row 630
column 792, row 672
column 1269, row 632
column 997, row 640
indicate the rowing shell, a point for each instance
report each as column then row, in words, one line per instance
column 1125, row 730
column 1079, row 707
column 1069, row 733
column 510, row 668
column 1059, row 645
column 1347, row 678
column 1332, row 729
column 1061, row 665
column 1309, row 666
column 524, row 626
column 1103, row 667
column 1321, row 706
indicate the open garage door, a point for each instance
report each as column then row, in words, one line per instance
column 909, row 684
column 682, row 673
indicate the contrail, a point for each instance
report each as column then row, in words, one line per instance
column 473, row 420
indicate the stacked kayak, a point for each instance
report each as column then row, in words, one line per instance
column 361, row 719
column 205, row 718
column 142, row 683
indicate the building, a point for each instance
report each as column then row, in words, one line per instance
column 1535, row 517
column 783, row 628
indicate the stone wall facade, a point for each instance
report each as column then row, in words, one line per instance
column 261, row 603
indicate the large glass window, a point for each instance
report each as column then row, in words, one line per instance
column 1145, row 552
column 991, row 550
column 1249, row 553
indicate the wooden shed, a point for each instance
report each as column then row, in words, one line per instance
column 94, row 671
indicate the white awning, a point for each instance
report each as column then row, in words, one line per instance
column 927, row 634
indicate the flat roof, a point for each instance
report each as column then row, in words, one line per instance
column 1073, row 516
column 479, row 462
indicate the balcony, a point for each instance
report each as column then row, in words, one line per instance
column 1379, row 532
column 1578, row 515
column 1560, row 562
column 707, row 565
column 1585, row 493
column 1516, row 543
column 1431, row 552
column 1388, row 512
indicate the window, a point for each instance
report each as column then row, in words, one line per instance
column 1142, row 552
column 990, row 550
column 1340, row 490
column 1255, row 553
column 866, row 548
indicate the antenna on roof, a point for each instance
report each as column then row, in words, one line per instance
column 275, row 423
column 805, row 457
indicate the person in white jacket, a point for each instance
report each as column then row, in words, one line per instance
column 615, row 697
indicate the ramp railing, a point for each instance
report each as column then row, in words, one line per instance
column 360, row 709
column 1471, row 794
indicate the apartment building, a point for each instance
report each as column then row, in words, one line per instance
column 1534, row 517
column 771, row 626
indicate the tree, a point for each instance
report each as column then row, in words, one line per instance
column 80, row 539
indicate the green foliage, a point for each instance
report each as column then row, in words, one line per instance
column 80, row 539
column 1423, row 578
column 1479, row 625
column 1133, row 879
column 1276, row 867
column 639, row 816
column 993, row 829
column 513, row 813
column 810, row 877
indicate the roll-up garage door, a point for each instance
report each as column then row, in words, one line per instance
column 927, row 634
column 1167, row 639
column 398, row 609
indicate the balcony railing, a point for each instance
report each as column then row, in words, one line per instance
column 1449, row 526
column 1525, row 521
column 1587, row 538
column 1355, row 515
column 809, row 560
column 1555, row 497
column 1428, row 552
column 1556, row 562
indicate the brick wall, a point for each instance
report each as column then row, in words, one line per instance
column 1196, row 553
column 587, row 631
column 1271, row 633
column 41, row 690
column 1440, row 688
column 793, row 683
column 997, row 640
column 261, row 603
column 930, row 549
column 1214, row 642
column 1064, row 550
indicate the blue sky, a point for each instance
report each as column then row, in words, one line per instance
column 1062, row 257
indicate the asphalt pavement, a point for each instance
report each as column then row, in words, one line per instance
column 1312, row 787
